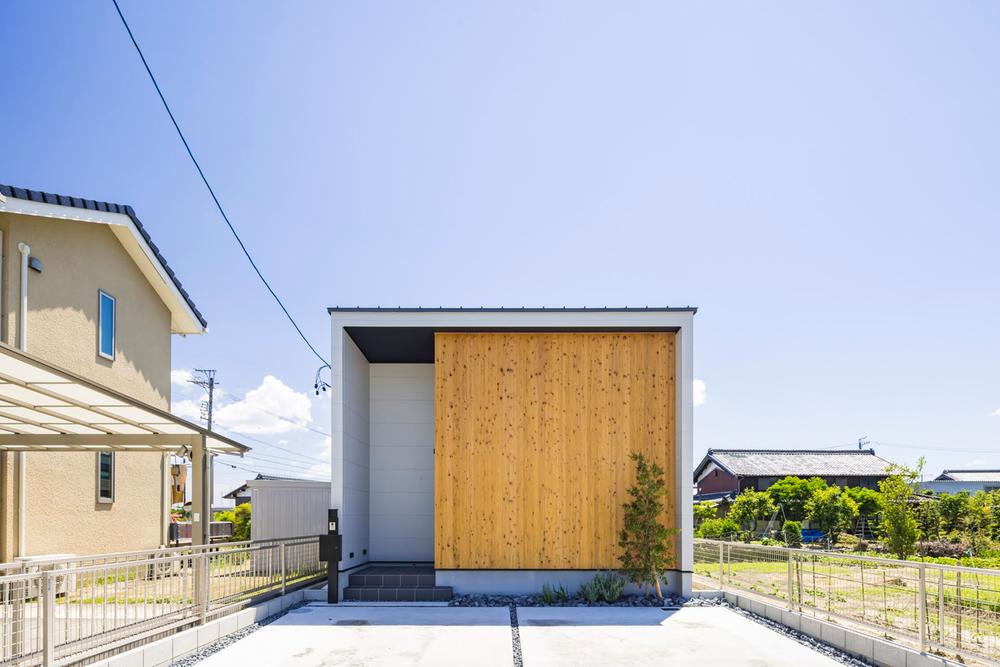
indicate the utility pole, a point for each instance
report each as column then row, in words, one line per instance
column 862, row 441
column 205, row 378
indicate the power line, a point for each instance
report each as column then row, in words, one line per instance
column 201, row 173
column 245, row 469
column 233, row 399
column 897, row 445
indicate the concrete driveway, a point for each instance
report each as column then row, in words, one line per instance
column 375, row 636
column 575, row 636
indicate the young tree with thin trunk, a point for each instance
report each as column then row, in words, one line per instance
column 645, row 542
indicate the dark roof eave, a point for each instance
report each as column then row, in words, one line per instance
column 94, row 205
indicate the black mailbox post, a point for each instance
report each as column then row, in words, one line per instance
column 330, row 551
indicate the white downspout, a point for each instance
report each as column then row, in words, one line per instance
column 22, row 457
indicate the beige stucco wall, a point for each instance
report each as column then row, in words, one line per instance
column 78, row 259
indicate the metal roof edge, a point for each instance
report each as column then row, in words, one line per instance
column 520, row 309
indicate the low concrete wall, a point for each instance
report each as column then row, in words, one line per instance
column 164, row 651
column 877, row 651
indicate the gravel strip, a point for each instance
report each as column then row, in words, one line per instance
column 515, row 635
column 229, row 639
column 572, row 601
column 804, row 639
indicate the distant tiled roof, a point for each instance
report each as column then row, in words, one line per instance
column 801, row 463
column 260, row 476
column 970, row 475
column 94, row 205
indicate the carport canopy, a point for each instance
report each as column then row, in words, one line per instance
column 46, row 408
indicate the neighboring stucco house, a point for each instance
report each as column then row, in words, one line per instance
column 953, row 481
column 83, row 287
column 726, row 472
column 490, row 447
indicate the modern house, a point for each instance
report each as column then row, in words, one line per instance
column 727, row 472
column 88, row 306
column 491, row 447
column 953, row 481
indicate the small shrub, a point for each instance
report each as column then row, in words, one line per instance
column 862, row 546
column 548, row 594
column 562, row 594
column 718, row 529
column 792, row 532
column 590, row 592
column 610, row 585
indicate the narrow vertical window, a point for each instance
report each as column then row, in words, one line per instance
column 106, row 326
column 105, row 477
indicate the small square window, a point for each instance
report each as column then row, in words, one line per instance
column 105, row 477
column 106, row 325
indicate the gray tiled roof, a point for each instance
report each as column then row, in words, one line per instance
column 971, row 475
column 94, row 205
column 801, row 463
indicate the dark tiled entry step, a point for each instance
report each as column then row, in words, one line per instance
column 397, row 593
column 393, row 577
column 396, row 583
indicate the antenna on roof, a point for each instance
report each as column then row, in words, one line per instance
column 862, row 441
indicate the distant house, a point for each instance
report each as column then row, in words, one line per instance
column 726, row 472
column 241, row 494
column 953, row 481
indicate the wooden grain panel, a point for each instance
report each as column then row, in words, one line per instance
column 532, row 441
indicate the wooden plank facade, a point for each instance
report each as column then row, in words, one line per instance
column 533, row 433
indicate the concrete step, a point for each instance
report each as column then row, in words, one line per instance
column 398, row 593
column 365, row 580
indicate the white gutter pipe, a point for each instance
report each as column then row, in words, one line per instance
column 22, row 457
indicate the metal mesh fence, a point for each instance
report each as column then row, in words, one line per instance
column 84, row 606
column 949, row 608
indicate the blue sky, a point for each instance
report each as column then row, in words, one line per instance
column 820, row 179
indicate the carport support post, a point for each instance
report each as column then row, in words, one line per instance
column 201, row 522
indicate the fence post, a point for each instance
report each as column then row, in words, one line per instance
column 958, row 609
column 922, row 604
column 204, row 579
column 940, row 607
column 283, row 569
column 791, row 580
column 48, row 591
column 722, row 569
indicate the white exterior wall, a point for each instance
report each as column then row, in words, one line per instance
column 349, row 387
column 287, row 508
column 351, row 453
column 402, row 462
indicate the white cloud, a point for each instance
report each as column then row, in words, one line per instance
column 997, row 413
column 976, row 462
column 190, row 410
column 700, row 392
column 273, row 407
column 181, row 377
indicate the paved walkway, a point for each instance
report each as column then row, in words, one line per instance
column 334, row 636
